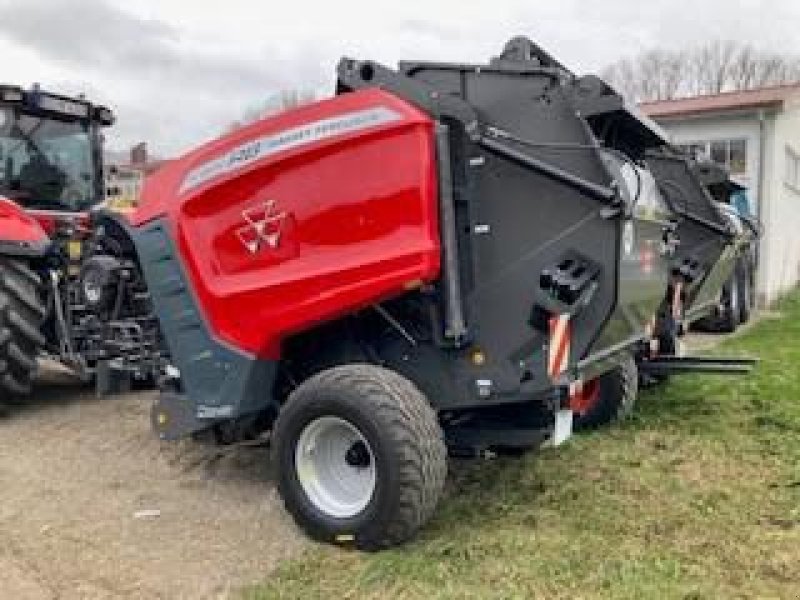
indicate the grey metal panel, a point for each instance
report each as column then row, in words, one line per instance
column 706, row 238
column 683, row 190
column 523, row 221
column 220, row 381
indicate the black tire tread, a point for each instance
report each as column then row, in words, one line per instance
column 24, row 271
column 25, row 294
column 22, row 312
column 746, row 291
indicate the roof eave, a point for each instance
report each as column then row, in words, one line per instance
column 705, row 111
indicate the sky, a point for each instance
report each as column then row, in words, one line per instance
column 178, row 72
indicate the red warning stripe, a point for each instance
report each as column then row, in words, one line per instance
column 560, row 335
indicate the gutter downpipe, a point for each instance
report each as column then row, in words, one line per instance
column 762, row 143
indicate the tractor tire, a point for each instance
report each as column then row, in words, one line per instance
column 361, row 457
column 22, row 312
column 607, row 399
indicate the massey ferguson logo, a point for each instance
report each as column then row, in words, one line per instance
column 263, row 227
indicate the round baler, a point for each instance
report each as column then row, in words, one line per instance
column 441, row 258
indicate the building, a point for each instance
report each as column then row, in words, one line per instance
column 756, row 134
column 124, row 180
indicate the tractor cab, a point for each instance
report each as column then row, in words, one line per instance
column 51, row 155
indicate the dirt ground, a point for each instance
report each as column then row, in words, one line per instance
column 76, row 472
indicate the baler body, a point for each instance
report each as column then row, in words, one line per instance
column 503, row 204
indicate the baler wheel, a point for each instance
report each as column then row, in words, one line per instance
column 730, row 319
column 22, row 312
column 609, row 398
column 360, row 455
column 746, row 291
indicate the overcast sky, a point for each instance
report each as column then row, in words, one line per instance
column 177, row 72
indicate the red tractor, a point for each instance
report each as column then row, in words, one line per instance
column 68, row 288
column 440, row 257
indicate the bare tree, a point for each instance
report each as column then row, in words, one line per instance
column 712, row 68
column 661, row 74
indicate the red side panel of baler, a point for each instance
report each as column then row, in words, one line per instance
column 339, row 213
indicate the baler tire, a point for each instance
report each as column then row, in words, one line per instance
column 746, row 292
column 404, row 440
column 616, row 398
column 22, row 312
column 729, row 320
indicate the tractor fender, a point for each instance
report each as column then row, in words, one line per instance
column 20, row 233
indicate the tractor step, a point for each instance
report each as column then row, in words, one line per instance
column 698, row 364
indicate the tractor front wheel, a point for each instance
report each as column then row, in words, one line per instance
column 22, row 312
column 360, row 455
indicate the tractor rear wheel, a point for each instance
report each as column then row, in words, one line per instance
column 609, row 398
column 360, row 455
column 22, row 312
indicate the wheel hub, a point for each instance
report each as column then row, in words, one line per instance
column 358, row 456
column 335, row 467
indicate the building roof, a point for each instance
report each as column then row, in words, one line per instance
column 769, row 97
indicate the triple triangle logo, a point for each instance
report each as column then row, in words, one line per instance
column 263, row 227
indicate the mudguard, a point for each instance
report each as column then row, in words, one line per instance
column 20, row 233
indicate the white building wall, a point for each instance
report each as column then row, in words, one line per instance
column 780, row 248
column 780, row 203
column 723, row 127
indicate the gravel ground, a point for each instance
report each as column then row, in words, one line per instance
column 76, row 474
column 94, row 506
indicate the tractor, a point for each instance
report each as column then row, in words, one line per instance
column 68, row 289
column 441, row 258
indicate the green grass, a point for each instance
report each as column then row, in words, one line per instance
column 697, row 496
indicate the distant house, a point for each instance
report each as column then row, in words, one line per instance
column 124, row 180
column 756, row 134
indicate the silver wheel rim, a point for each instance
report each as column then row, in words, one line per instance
column 335, row 467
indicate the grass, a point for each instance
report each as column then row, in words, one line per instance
column 697, row 496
